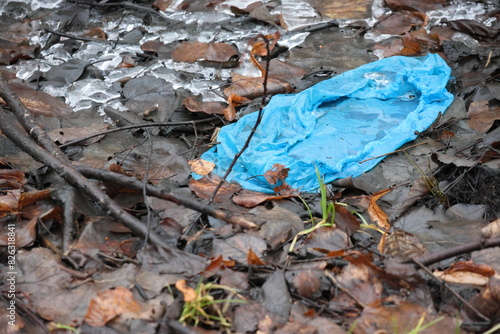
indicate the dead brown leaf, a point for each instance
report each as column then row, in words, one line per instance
column 386, row 314
column 12, row 179
column 188, row 292
column 201, row 167
column 415, row 5
column 194, row 105
column 66, row 135
column 40, row 103
column 377, row 215
column 196, row 51
column 482, row 116
column 250, row 199
column 251, row 87
column 110, row 304
column 277, row 173
column 402, row 245
column 253, row 259
column 399, row 23
column 307, row 282
column 487, row 301
column 355, row 9
column 205, row 186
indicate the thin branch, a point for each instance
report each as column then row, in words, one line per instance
column 138, row 126
column 427, row 260
column 132, row 183
column 257, row 122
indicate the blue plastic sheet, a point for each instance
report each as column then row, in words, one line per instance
column 335, row 124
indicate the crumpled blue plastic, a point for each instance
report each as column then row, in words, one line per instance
column 363, row 113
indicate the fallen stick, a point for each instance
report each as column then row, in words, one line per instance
column 427, row 260
column 132, row 183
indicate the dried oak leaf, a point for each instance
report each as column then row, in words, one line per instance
column 110, row 304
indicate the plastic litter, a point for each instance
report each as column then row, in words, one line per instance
column 335, row 124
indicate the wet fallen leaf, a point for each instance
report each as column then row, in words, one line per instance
column 188, row 292
column 155, row 46
column 64, row 135
column 307, row 282
column 14, row 41
column 326, row 238
column 250, row 199
column 195, row 105
column 276, row 297
column 377, row 215
column 417, row 5
column 253, row 259
column 411, row 46
column 162, row 5
column 277, row 173
column 262, row 13
column 356, row 9
column 205, row 186
column 345, row 220
column 392, row 312
column 196, row 51
column 12, row 178
column 40, row 103
column 237, row 247
column 482, row 116
column 110, row 304
column 466, row 272
column 487, row 301
column 251, row 87
column 201, row 167
column 399, row 23
column 66, row 73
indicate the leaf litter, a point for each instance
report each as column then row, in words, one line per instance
column 365, row 273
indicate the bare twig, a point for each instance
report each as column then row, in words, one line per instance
column 427, row 260
column 257, row 122
column 138, row 126
column 133, row 183
column 389, row 153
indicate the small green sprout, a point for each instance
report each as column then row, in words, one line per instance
column 201, row 307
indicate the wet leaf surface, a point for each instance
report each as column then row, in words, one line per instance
column 194, row 67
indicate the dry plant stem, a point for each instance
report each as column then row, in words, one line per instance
column 139, row 126
column 25, row 118
column 466, row 303
column 152, row 190
column 14, row 132
column 430, row 259
column 257, row 122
